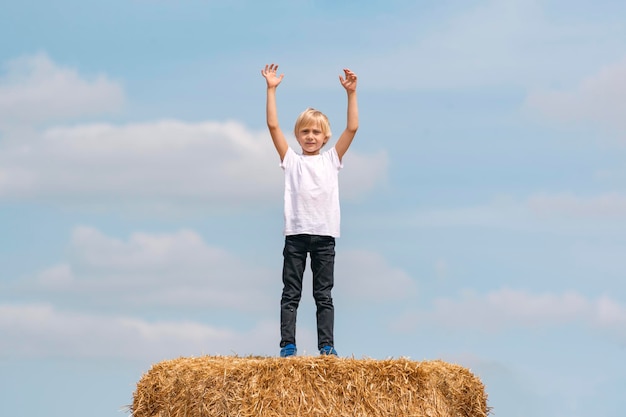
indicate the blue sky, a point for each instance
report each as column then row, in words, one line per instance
column 483, row 199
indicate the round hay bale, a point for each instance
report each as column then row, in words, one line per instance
column 212, row 386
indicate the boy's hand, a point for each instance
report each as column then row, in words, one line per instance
column 349, row 83
column 270, row 75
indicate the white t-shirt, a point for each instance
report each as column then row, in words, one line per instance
column 312, row 193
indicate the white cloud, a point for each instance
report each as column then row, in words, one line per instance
column 212, row 163
column 209, row 164
column 34, row 89
column 181, row 271
column 505, row 308
column 599, row 99
column 491, row 43
column 175, row 270
column 162, row 164
column 40, row 330
column 169, row 273
column 606, row 206
column 365, row 276
column 442, row 269
column 362, row 173
column 541, row 211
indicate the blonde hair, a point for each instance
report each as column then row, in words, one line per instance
column 311, row 117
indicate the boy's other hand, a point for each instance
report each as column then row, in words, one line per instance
column 269, row 72
column 349, row 83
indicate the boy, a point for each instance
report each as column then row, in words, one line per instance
column 311, row 209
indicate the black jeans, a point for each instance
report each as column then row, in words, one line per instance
column 322, row 250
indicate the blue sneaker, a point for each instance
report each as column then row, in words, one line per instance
column 289, row 350
column 328, row 350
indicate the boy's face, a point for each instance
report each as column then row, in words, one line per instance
column 311, row 139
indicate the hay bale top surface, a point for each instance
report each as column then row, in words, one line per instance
column 307, row 386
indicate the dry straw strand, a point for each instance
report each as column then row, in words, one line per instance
column 305, row 386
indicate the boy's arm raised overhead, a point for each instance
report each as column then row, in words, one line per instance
column 269, row 73
column 344, row 141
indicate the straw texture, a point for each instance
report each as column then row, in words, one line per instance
column 306, row 386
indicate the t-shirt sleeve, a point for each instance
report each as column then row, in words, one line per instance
column 334, row 157
column 288, row 159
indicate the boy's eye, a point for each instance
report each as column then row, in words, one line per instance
column 314, row 131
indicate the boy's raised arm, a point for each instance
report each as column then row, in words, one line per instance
column 280, row 143
column 352, row 125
